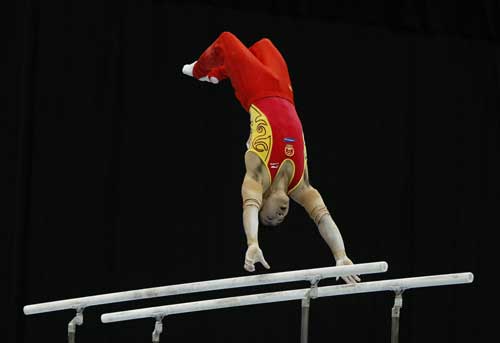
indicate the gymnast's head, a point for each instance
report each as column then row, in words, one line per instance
column 274, row 208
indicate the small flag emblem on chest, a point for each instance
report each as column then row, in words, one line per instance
column 289, row 151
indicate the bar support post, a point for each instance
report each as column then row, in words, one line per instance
column 396, row 310
column 306, row 304
column 77, row 320
column 158, row 330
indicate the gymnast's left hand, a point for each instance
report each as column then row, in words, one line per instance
column 345, row 261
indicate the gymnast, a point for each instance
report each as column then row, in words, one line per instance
column 275, row 160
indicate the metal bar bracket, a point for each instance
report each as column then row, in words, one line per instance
column 158, row 329
column 396, row 312
column 312, row 293
column 77, row 320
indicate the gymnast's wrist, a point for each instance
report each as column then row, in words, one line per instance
column 252, row 242
column 339, row 255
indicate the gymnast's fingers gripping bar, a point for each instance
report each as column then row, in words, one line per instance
column 363, row 287
column 203, row 286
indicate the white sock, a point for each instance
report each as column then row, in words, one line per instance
column 188, row 69
column 212, row 79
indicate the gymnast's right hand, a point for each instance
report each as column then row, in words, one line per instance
column 254, row 255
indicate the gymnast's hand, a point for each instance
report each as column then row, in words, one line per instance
column 254, row 255
column 345, row 261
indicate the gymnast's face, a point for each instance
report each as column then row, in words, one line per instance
column 274, row 209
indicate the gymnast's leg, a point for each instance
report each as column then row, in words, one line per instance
column 226, row 57
column 266, row 52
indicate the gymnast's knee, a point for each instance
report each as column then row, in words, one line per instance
column 263, row 42
column 228, row 36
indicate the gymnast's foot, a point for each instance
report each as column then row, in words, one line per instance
column 188, row 70
column 211, row 79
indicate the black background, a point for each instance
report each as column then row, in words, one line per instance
column 118, row 172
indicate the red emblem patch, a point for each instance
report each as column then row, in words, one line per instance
column 289, row 151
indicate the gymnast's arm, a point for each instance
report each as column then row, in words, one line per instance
column 309, row 198
column 251, row 192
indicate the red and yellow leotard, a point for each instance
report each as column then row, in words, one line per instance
column 276, row 136
column 259, row 76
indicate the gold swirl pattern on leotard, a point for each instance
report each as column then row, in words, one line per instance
column 261, row 137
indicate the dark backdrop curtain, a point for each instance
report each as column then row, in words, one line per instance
column 121, row 173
